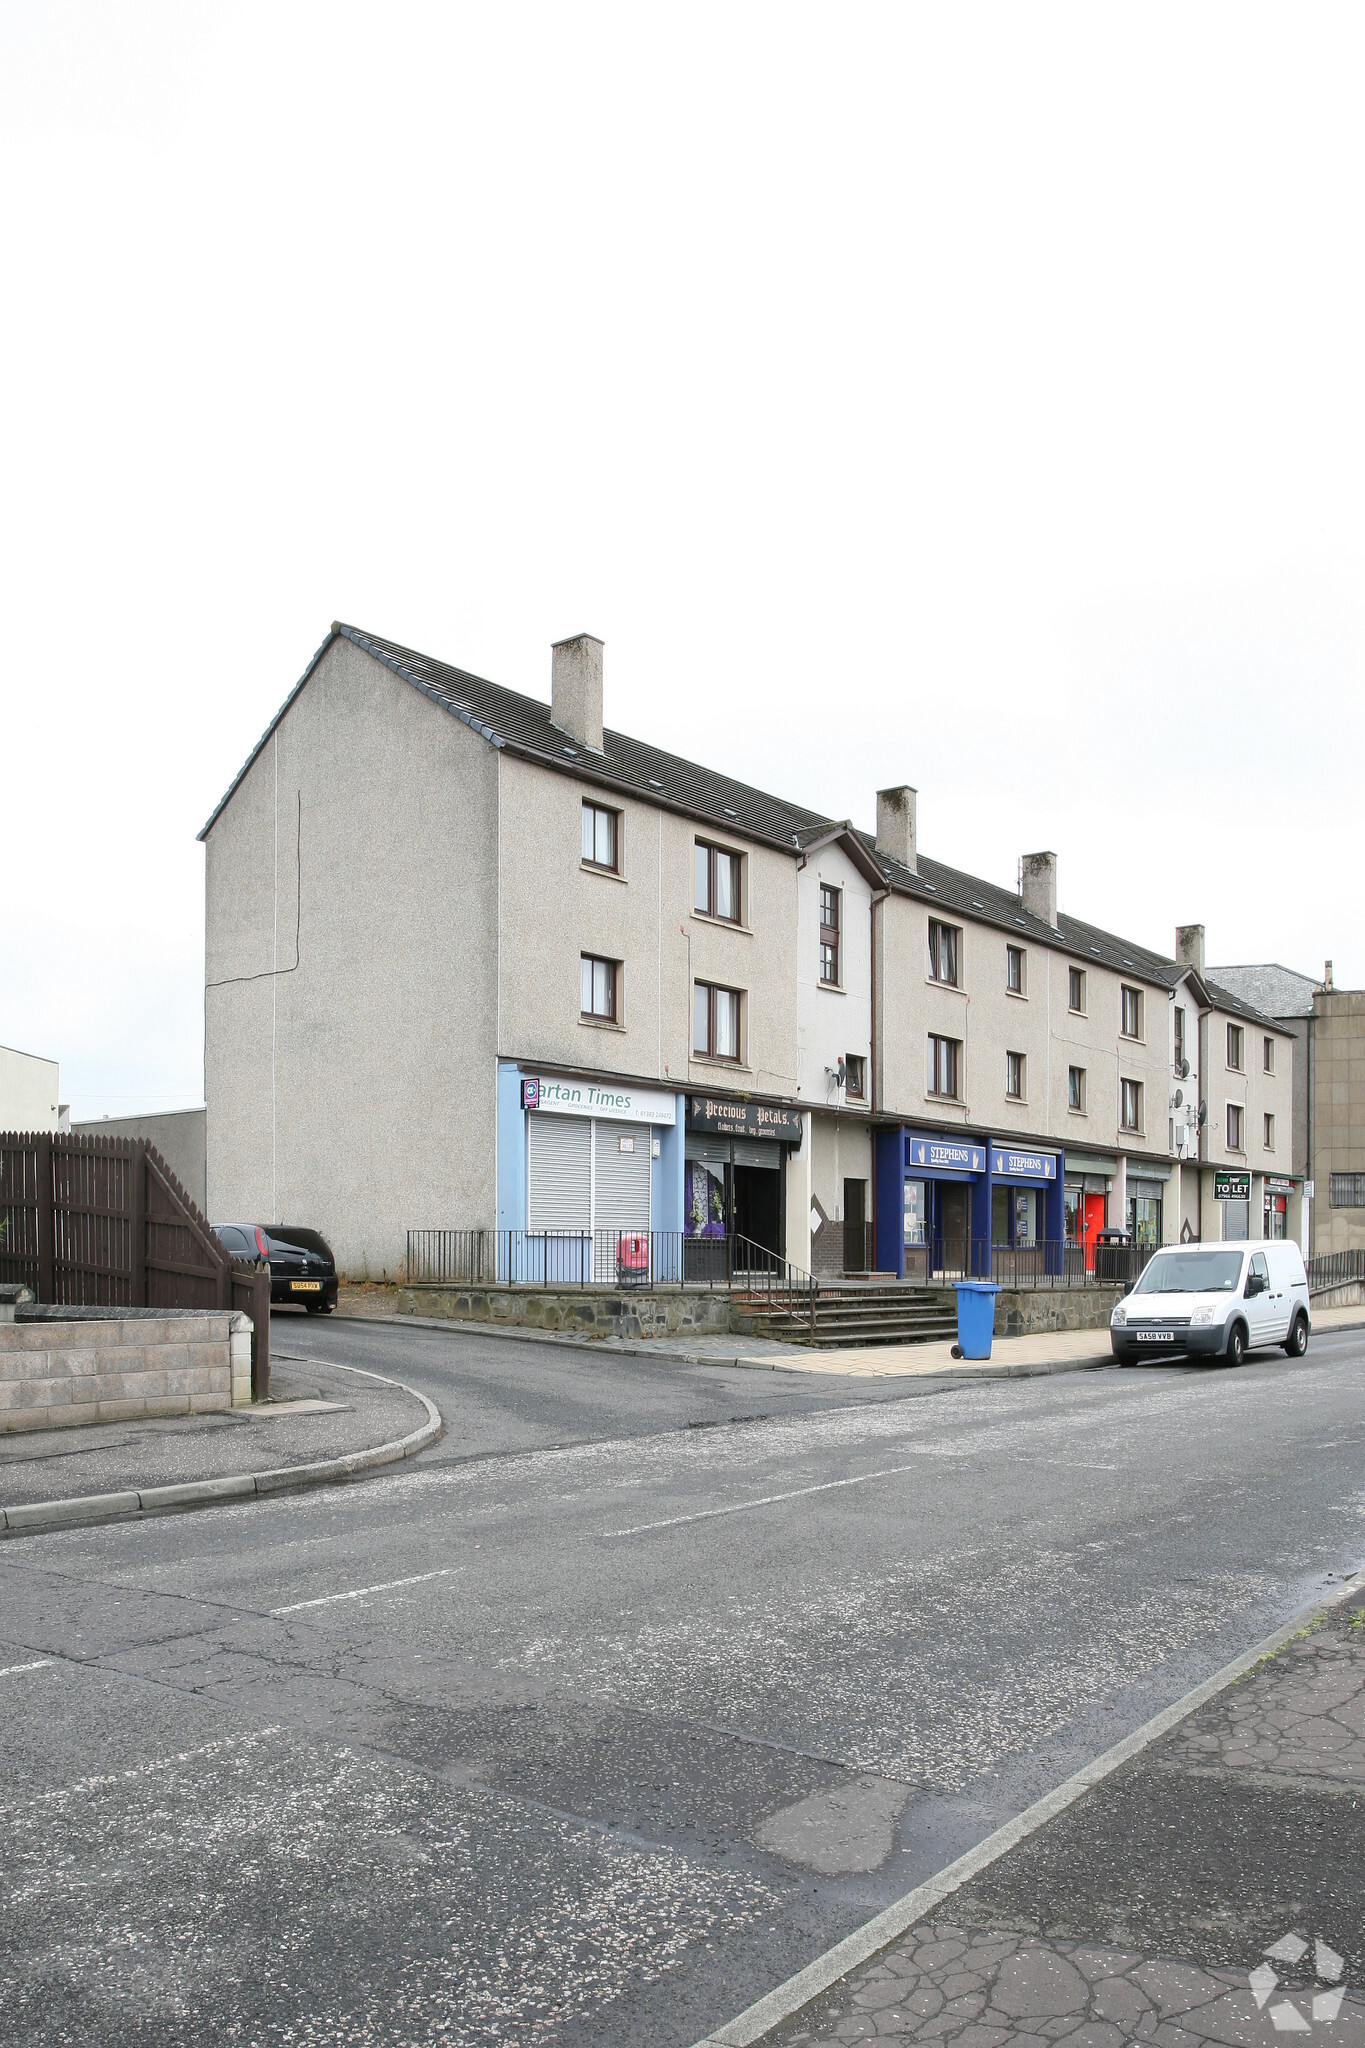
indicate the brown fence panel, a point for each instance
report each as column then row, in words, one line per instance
column 94, row 1222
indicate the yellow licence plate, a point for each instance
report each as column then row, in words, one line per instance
column 305, row 1286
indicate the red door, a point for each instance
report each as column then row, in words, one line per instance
column 1094, row 1224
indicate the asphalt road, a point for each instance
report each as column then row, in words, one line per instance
column 668, row 1677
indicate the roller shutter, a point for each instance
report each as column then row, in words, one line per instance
column 622, row 1175
column 557, row 1172
column 758, row 1152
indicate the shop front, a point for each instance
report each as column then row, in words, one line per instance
column 1027, row 1211
column 1232, row 1192
column 931, row 1203
column 1146, row 1219
column 1086, row 1197
column 1278, row 1191
column 584, row 1171
column 734, row 1179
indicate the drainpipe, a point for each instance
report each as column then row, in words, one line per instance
column 879, row 897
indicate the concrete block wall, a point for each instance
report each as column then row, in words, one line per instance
column 60, row 1371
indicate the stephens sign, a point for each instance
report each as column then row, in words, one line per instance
column 1008, row 1165
column 727, row 1118
column 944, row 1155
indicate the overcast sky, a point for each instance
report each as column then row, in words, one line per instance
column 964, row 396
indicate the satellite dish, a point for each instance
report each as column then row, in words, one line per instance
column 1203, row 1114
column 1179, row 1097
column 1184, row 1070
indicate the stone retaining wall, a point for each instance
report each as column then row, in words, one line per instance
column 595, row 1311
column 1032, row 1311
column 63, row 1367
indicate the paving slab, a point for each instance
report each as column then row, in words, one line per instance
column 1212, row 1890
column 316, row 1413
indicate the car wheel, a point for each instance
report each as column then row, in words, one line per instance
column 1297, row 1341
column 1237, row 1345
column 314, row 1308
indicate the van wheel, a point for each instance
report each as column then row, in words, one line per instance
column 1297, row 1341
column 1237, row 1345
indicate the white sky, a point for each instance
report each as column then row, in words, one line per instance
column 967, row 396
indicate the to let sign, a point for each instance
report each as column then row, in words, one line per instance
column 1232, row 1187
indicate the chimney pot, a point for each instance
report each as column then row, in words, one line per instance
column 897, row 825
column 1038, row 886
column 1327, row 975
column 1189, row 946
column 576, row 689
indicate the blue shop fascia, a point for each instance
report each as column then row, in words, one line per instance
column 946, row 1197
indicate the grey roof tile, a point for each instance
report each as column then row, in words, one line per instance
column 1275, row 990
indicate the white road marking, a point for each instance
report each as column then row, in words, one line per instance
column 765, row 1500
column 359, row 1592
column 10, row 1669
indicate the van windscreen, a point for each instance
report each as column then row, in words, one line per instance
column 1191, row 1273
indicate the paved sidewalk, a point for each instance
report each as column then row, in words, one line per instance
column 316, row 1412
column 1211, row 1891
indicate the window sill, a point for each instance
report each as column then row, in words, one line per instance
column 1128, row 1038
column 1124, row 1132
column 1016, row 1102
column 588, row 867
column 1020, row 995
column 832, row 988
column 946, row 1101
column 954, row 988
column 1076, row 1112
column 600, row 1024
column 711, row 1059
column 1076, row 1013
column 722, row 924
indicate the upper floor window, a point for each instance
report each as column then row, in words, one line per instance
column 1076, row 989
column 1269, row 1055
column 1235, row 1048
column 715, row 882
column 1014, row 1076
column 945, row 1066
column 600, row 837
column 1269, row 1132
column 943, row 951
column 1346, row 1191
column 1075, row 1089
column 855, row 1076
column 715, row 1021
column 599, row 982
column 829, row 933
column 1014, row 970
column 1130, row 1105
column 1130, row 1011
column 1233, row 1127
column 1179, row 1036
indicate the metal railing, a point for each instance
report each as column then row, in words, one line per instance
column 1046, row 1262
column 591, row 1258
column 1335, row 1269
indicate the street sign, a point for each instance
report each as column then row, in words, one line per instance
column 1232, row 1187
column 1308, row 1191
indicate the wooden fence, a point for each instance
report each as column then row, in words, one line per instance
column 92, row 1222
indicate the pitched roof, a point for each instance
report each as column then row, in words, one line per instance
column 1278, row 991
column 507, row 718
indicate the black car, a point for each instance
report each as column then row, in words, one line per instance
column 302, row 1269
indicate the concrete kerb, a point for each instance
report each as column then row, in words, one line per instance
column 860, row 1947
column 85, row 1510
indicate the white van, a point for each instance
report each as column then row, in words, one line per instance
column 1216, row 1301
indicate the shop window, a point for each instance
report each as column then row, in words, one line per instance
column 1269, row 1055
column 1235, row 1048
column 1232, row 1129
column 1269, row 1135
column 945, row 1066
column 1130, row 1023
column 1075, row 1089
column 1014, row 1076
column 715, row 1022
column 600, row 837
column 1014, row 970
column 1179, row 1037
column 829, row 934
column 1346, row 1191
column 944, row 945
column 855, row 1076
column 1144, row 1219
column 1076, row 990
column 716, row 882
column 1130, row 1105
column 599, row 988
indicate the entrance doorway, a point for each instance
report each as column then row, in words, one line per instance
column 856, row 1249
column 758, row 1206
column 950, row 1247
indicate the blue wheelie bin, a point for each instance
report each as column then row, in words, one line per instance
column 975, row 1316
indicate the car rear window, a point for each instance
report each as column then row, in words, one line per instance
column 235, row 1240
column 285, row 1234
column 1191, row 1273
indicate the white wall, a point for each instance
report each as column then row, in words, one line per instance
column 28, row 1091
column 831, row 1023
